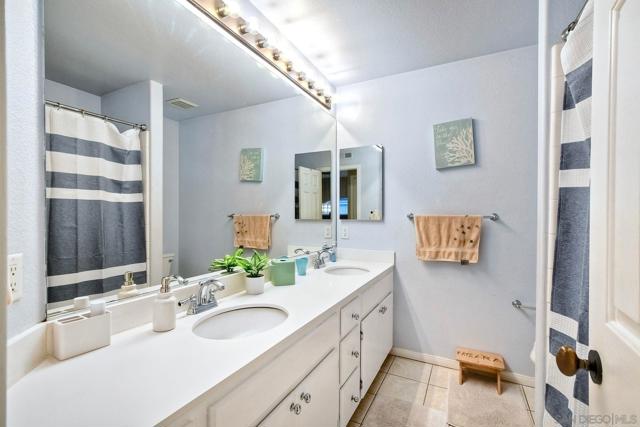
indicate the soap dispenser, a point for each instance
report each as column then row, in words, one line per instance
column 164, row 308
column 129, row 287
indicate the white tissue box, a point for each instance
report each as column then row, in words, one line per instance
column 81, row 333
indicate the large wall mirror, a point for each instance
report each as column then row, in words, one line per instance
column 361, row 183
column 224, row 138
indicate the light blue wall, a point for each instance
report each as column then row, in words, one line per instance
column 443, row 305
column 210, row 188
column 25, row 158
column 171, row 196
column 57, row 92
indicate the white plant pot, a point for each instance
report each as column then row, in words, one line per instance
column 254, row 285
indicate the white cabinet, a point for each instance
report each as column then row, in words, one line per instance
column 350, row 316
column 349, row 398
column 349, row 354
column 313, row 403
column 377, row 340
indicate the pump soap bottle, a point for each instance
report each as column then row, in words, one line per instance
column 164, row 308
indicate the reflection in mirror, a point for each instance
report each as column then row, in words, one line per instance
column 313, row 185
column 361, row 183
column 221, row 136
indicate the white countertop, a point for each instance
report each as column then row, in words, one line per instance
column 143, row 376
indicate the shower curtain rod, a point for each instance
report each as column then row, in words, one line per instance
column 142, row 127
column 573, row 23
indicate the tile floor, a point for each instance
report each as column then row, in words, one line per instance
column 410, row 393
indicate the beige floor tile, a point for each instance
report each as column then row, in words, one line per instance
column 387, row 363
column 403, row 389
column 440, row 376
column 533, row 418
column 377, row 382
column 411, row 369
column 436, row 398
column 391, row 412
column 362, row 408
column 529, row 394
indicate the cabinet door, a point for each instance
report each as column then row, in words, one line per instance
column 314, row 402
column 377, row 340
column 319, row 395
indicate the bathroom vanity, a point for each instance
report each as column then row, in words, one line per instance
column 310, row 369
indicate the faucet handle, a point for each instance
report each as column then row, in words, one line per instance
column 192, row 302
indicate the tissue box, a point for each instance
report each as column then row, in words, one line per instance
column 283, row 272
column 79, row 334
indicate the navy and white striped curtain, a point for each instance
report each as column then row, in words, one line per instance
column 567, row 398
column 95, row 206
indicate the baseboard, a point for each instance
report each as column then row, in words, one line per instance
column 508, row 376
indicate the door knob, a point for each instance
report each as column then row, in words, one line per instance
column 569, row 363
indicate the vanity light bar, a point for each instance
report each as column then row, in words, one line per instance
column 240, row 30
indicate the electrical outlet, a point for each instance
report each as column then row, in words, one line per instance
column 344, row 232
column 14, row 272
column 327, row 231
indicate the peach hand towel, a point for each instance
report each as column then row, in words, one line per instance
column 448, row 238
column 252, row 231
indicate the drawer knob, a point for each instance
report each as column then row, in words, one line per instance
column 355, row 353
column 305, row 397
column 355, row 316
column 295, row 408
column 383, row 309
column 355, row 399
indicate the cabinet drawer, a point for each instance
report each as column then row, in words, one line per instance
column 376, row 293
column 274, row 381
column 349, row 398
column 313, row 403
column 349, row 354
column 349, row 316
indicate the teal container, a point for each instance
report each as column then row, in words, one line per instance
column 283, row 272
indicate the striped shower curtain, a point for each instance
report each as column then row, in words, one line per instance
column 567, row 398
column 95, row 206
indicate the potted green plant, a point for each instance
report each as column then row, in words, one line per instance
column 228, row 263
column 253, row 267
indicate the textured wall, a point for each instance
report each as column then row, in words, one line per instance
column 171, row 196
column 443, row 305
column 25, row 158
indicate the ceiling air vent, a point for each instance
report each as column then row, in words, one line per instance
column 182, row 103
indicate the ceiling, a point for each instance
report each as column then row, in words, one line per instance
column 356, row 40
column 101, row 46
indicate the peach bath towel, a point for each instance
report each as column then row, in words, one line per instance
column 448, row 238
column 252, row 231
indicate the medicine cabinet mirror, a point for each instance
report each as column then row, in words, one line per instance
column 361, row 183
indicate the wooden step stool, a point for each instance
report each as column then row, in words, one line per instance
column 482, row 361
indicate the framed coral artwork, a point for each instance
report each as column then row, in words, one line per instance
column 251, row 164
column 453, row 143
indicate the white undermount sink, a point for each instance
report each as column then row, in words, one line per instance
column 239, row 322
column 346, row 270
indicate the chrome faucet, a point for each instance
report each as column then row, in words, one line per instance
column 205, row 299
column 318, row 261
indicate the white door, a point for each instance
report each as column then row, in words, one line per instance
column 377, row 340
column 310, row 193
column 614, row 293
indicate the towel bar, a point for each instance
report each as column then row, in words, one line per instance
column 493, row 217
column 274, row 216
